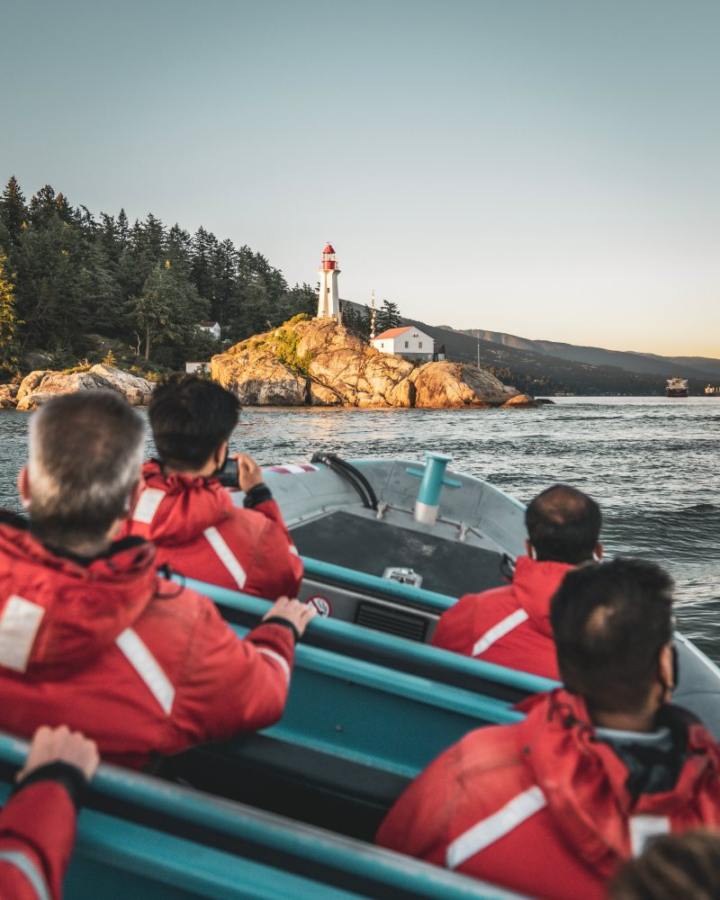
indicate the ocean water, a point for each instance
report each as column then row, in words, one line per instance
column 653, row 464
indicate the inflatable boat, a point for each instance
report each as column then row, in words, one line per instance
column 388, row 545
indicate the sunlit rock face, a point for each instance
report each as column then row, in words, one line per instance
column 317, row 362
column 38, row 387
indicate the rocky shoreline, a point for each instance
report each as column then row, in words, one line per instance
column 305, row 362
column 43, row 384
column 316, row 362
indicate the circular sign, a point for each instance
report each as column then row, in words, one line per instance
column 321, row 605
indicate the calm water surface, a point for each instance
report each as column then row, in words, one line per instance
column 653, row 464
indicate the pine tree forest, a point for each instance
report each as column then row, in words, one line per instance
column 75, row 286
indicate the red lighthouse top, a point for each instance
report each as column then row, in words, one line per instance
column 328, row 260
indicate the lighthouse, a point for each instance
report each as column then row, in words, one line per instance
column 328, row 297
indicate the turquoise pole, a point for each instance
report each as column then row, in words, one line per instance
column 426, row 506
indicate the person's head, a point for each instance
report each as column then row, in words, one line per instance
column 563, row 525
column 672, row 867
column 613, row 627
column 192, row 420
column 84, row 462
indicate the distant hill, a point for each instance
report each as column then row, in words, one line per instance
column 630, row 361
column 544, row 367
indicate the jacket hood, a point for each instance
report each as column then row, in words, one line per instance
column 585, row 782
column 534, row 584
column 189, row 507
column 86, row 606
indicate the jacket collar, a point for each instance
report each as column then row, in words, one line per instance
column 86, row 604
column 588, row 786
column 534, row 584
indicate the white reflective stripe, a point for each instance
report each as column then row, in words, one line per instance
column 147, row 505
column 147, row 667
column 495, row 826
column 225, row 555
column 499, row 630
column 294, row 550
column 33, row 874
column 642, row 828
column 278, row 659
column 18, row 626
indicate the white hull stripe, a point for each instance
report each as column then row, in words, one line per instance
column 19, row 625
column 147, row 505
column 500, row 630
column 495, row 826
column 643, row 828
column 147, row 667
column 280, row 660
column 23, row 862
column 226, row 557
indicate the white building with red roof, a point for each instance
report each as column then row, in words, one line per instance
column 406, row 341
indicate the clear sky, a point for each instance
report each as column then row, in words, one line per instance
column 549, row 168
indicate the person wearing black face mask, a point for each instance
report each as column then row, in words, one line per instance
column 188, row 514
column 552, row 806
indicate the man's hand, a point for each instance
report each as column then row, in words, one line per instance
column 294, row 611
column 249, row 472
column 61, row 745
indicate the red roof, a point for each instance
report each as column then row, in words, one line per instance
column 391, row 333
column 208, row 324
column 329, row 249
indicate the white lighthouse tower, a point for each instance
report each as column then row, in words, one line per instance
column 328, row 296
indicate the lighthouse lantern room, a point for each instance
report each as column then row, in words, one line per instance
column 328, row 297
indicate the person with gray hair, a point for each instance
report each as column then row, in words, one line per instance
column 90, row 636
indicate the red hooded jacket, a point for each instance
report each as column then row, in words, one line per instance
column 138, row 663
column 37, row 833
column 200, row 533
column 543, row 807
column 509, row 626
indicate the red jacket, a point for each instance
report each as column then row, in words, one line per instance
column 543, row 807
column 509, row 626
column 200, row 533
column 37, row 833
column 138, row 663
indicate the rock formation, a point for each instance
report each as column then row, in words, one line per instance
column 38, row 387
column 317, row 362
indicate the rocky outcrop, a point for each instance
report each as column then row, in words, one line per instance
column 522, row 401
column 317, row 362
column 38, row 387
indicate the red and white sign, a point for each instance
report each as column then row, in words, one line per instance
column 321, row 604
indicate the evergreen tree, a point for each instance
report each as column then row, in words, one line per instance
column 9, row 346
column 13, row 209
column 388, row 316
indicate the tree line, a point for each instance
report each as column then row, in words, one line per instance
column 68, row 276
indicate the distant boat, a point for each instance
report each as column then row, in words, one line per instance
column 677, row 387
column 711, row 391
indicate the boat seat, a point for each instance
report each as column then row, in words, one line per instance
column 302, row 783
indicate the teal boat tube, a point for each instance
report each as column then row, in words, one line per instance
column 149, row 840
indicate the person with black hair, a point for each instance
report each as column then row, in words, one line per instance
column 188, row 514
column 510, row 625
column 672, row 867
column 90, row 636
column 553, row 805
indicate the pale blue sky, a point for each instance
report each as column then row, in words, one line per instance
column 550, row 168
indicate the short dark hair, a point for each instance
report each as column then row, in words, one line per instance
column 563, row 524
column 610, row 622
column 673, row 865
column 85, row 455
column 190, row 417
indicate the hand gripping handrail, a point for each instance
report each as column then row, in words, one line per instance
column 294, row 846
column 374, row 640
